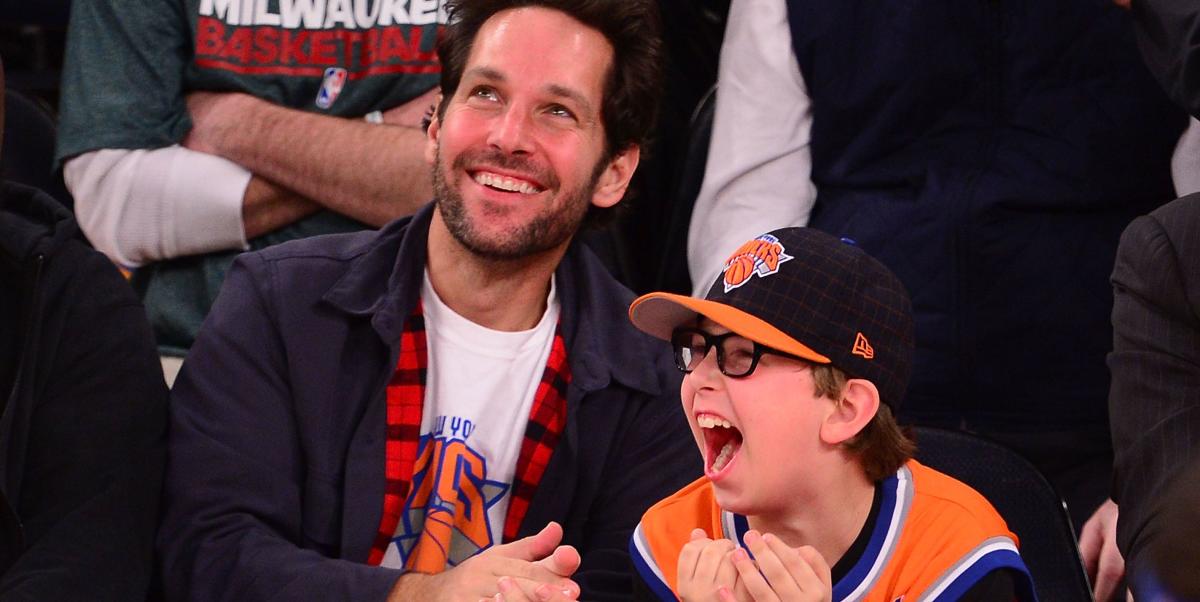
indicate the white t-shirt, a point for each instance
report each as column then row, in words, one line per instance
column 480, row 386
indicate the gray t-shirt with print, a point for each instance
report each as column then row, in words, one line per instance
column 129, row 66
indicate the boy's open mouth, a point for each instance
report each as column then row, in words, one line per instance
column 722, row 441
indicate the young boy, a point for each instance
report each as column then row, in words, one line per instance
column 795, row 362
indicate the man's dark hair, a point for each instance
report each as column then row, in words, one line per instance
column 632, row 86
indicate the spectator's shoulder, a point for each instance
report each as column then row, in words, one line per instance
column 637, row 360
column 1155, row 259
column 691, row 506
column 1178, row 221
column 341, row 247
column 953, row 504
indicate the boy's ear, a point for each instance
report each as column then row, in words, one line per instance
column 848, row 416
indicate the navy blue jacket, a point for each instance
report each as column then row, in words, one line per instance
column 989, row 153
column 275, row 479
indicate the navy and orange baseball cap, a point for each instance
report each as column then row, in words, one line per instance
column 808, row 294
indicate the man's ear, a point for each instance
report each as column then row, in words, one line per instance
column 614, row 180
column 432, row 132
column 849, row 415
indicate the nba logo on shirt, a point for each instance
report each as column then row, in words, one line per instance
column 331, row 86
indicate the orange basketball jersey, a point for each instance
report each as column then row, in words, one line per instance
column 933, row 539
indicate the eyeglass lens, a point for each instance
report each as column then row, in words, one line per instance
column 735, row 354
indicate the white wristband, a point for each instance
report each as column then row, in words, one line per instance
column 374, row 117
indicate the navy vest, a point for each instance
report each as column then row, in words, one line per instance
column 990, row 152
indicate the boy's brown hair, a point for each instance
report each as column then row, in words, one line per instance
column 881, row 446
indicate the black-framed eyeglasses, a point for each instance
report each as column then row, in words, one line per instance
column 737, row 356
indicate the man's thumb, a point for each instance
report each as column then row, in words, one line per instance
column 538, row 546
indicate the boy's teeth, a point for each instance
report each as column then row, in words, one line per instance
column 723, row 458
column 709, row 422
column 507, row 184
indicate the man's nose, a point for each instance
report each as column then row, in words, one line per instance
column 511, row 131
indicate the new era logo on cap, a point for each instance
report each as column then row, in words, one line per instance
column 862, row 347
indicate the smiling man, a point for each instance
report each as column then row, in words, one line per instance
column 453, row 407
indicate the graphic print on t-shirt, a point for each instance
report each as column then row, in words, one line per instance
column 257, row 36
column 446, row 515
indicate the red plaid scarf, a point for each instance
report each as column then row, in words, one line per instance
column 406, row 397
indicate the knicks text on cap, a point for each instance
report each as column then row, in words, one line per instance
column 761, row 256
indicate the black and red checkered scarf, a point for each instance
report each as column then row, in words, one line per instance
column 405, row 399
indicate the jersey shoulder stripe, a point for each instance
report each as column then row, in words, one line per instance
column 896, row 502
column 647, row 566
column 993, row 554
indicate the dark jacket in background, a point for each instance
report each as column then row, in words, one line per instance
column 990, row 154
column 1169, row 35
column 1155, row 399
column 81, row 433
column 275, row 484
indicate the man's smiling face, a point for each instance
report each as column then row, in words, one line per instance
column 519, row 153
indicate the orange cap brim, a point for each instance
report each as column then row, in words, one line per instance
column 658, row 314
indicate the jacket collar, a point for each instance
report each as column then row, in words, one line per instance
column 384, row 282
column 603, row 344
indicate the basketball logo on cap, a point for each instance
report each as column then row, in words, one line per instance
column 761, row 256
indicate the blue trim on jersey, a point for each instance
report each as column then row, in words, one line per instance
column 992, row 561
column 883, row 523
column 656, row 585
column 741, row 524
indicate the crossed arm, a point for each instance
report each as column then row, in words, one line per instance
column 370, row 173
column 248, row 167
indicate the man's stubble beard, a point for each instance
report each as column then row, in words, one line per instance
column 548, row 230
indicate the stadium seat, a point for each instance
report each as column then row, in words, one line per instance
column 1026, row 500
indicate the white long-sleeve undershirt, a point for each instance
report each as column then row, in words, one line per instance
column 759, row 169
column 1185, row 162
column 140, row 206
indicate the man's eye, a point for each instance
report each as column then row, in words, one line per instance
column 561, row 111
column 484, row 92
